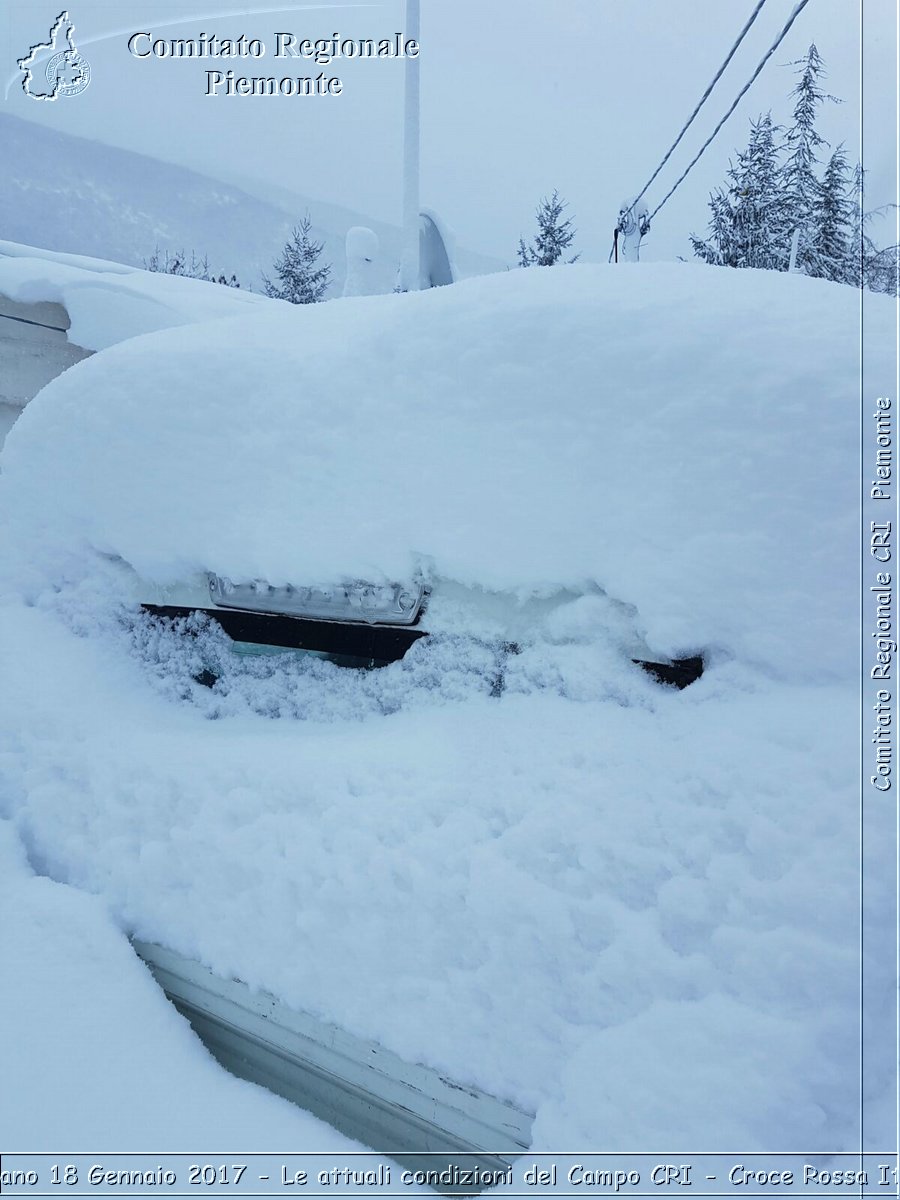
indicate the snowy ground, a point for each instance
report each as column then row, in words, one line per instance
column 594, row 896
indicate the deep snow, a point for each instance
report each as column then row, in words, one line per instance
column 591, row 895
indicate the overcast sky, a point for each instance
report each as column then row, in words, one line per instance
column 518, row 97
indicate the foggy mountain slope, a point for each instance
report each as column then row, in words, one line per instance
column 80, row 196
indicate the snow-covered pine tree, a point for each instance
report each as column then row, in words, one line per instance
column 719, row 247
column 168, row 265
column 878, row 270
column 177, row 264
column 802, row 189
column 830, row 252
column 302, row 281
column 554, row 235
column 768, row 197
column 882, row 270
column 859, row 239
column 747, row 226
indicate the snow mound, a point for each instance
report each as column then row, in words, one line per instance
column 674, row 434
column 108, row 302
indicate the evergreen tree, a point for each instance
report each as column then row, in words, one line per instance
column 878, row 270
column 802, row 189
column 302, row 281
column 177, row 264
column 775, row 190
column 718, row 249
column 747, row 226
column 830, row 251
column 553, row 237
column 882, row 270
column 859, row 239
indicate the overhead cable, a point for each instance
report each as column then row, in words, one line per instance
column 702, row 101
column 798, row 8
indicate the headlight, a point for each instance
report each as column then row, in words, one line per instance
column 372, row 603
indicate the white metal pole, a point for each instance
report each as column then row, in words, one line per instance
column 795, row 242
column 409, row 261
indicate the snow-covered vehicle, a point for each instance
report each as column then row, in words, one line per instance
column 363, row 479
column 348, row 479
column 371, row 622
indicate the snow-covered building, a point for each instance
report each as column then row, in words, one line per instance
column 57, row 309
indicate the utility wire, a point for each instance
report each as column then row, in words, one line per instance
column 798, row 8
column 25, row 321
column 702, row 101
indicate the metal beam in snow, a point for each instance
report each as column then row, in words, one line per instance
column 406, row 1111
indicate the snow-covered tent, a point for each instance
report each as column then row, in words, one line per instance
column 436, row 251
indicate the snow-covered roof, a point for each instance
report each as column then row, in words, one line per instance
column 107, row 302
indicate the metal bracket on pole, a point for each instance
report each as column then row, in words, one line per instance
column 633, row 224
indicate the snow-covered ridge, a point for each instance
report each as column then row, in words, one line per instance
column 73, row 193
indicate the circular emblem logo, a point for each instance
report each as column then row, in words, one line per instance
column 71, row 70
